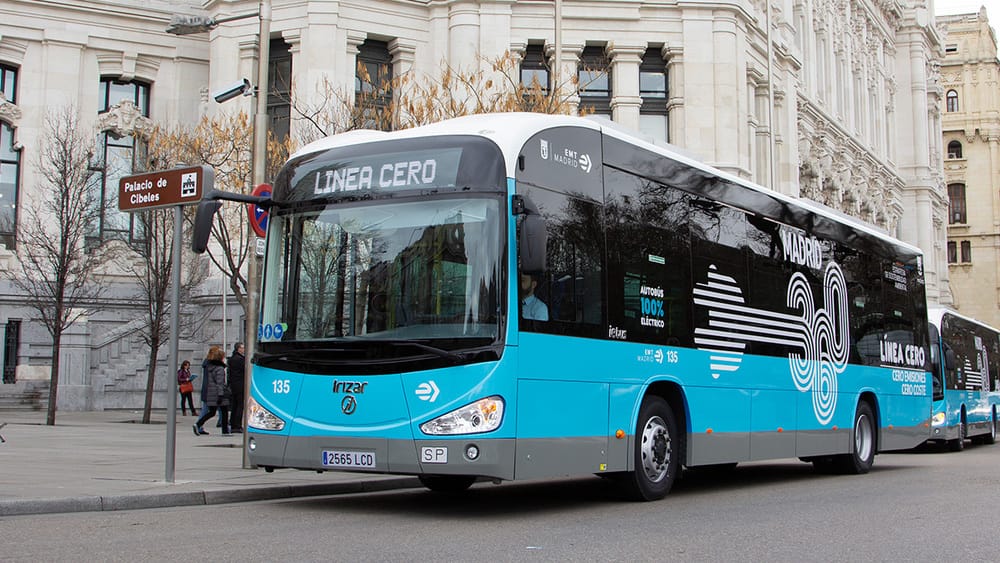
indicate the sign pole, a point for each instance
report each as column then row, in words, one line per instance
column 175, row 307
column 175, row 188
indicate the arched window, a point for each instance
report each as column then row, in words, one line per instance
column 956, row 203
column 118, row 155
column 952, row 100
column 954, row 149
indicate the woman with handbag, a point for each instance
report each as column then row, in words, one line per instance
column 186, row 387
column 217, row 394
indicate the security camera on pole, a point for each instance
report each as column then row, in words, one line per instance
column 183, row 25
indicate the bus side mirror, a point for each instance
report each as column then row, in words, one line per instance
column 532, row 243
column 203, row 224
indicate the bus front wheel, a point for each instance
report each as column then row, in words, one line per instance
column 447, row 483
column 656, row 453
column 958, row 444
column 862, row 457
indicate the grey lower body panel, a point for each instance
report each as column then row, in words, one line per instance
column 903, row 437
column 554, row 457
column 723, row 447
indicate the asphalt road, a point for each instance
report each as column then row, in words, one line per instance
column 923, row 506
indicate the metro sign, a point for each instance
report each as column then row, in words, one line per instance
column 166, row 188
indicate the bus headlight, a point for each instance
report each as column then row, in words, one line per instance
column 937, row 419
column 262, row 419
column 482, row 416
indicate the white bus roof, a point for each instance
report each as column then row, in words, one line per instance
column 510, row 131
column 937, row 312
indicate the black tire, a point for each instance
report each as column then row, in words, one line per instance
column 991, row 436
column 958, row 444
column 863, row 441
column 656, row 454
column 447, row 483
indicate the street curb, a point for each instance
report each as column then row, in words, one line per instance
column 21, row 507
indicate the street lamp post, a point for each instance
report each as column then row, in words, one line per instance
column 185, row 25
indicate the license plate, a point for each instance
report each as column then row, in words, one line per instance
column 348, row 458
column 435, row 454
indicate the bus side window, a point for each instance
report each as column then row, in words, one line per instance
column 648, row 263
column 572, row 287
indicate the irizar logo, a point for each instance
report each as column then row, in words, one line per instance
column 817, row 336
column 349, row 386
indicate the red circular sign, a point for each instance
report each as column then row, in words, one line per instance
column 258, row 216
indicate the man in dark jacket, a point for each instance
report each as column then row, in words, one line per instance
column 237, row 371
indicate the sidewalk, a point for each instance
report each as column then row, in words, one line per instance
column 93, row 461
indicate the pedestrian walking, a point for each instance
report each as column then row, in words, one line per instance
column 186, row 386
column 204, row 387
column 217, row 395
column 237, row 378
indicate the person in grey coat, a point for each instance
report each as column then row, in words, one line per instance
column 216, row 392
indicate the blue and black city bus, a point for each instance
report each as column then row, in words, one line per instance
column 966, row 379
column 524, row 296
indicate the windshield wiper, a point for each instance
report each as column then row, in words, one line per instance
column 264, row 359
column 456, row 358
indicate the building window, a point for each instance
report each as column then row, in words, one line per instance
column 952, row 100
column 952, row 252
column 956, row 203
column 10, row 163
column 951, row 48
column 594, row 79
column 966, row 247
column 10, row 174
column 118, row 156
column 279, row 89
column 11, row 342
column 534, row 70
column 373, row 84
column 653, row 90
column 954, row 149
column 8, row 83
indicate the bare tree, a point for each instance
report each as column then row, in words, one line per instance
column 412, row 99
column 57, row 269
column 223, row 142
column 154, row 274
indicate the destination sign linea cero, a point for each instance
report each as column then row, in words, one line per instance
column 178, row 186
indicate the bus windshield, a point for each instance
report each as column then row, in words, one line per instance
column 389, row 271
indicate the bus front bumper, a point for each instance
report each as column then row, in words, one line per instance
column 945, row 433
column 472, row 455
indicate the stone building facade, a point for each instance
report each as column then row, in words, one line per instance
column 835, row 100
column 971, row 137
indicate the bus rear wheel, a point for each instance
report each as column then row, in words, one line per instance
column 447, row 483
column 991, row 435
column 656, row 454
column 862, row 457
